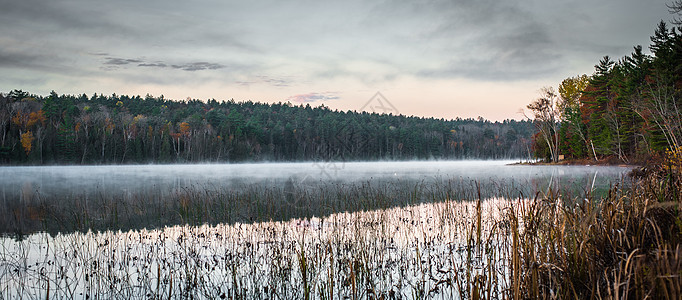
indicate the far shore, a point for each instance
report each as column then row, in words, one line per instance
column 609, row 161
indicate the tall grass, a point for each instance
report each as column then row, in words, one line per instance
column 625, row 245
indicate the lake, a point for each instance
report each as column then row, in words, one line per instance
column 25, row 183
column 68, row 198
column 272, row 230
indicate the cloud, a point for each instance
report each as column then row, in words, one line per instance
column 267, row 80
column 111, row 63
column 155, row 65
column 341, row 46
column 481, row 40
column 13, row 59
column 279, row 82
column 121, row 61
column 27, row 60
column 198, row 66
column 313, row 97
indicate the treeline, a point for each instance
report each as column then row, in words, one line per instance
column 77, row 129
column 628, row 110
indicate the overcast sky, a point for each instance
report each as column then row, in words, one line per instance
column 461, row 58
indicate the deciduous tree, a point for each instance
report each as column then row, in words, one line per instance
column 546, row 112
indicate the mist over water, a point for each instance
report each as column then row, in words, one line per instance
column 80, row 198
column 23, row 183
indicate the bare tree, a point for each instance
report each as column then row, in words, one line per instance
column 5, row 117
column 664, row 111
column 676, row 8
column 546, row 113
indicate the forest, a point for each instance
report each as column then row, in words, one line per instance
column 627, row 111
column 77, row 129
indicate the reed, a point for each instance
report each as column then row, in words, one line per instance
column 624, row 245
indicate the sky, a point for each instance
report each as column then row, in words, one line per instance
column 434, row 58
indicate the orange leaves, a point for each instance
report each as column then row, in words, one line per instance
column 184, row 129
column 109, row 125
column 28, row 120
column 27, row 141
column 20, row 119
column 36, row 116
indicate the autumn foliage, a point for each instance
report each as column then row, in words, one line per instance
column 628, row 110
column 29, row 119
column 27, row 141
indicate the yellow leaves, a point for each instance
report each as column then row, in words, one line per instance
column 673, row 155
column 571, row 89
column 673, row 159
column 138, row 118
column 27, row 141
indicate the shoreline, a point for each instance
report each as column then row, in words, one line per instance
column 585, row 162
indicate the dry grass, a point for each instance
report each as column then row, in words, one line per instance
column 623, row 246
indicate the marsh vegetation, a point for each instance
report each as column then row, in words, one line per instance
column 379, row 237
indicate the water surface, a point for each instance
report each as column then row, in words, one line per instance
column 127, row 180
column 80, row 198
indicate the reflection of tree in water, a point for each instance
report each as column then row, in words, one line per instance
column 27, row 191
column 248, row 203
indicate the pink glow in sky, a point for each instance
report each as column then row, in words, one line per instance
column 441, row 58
